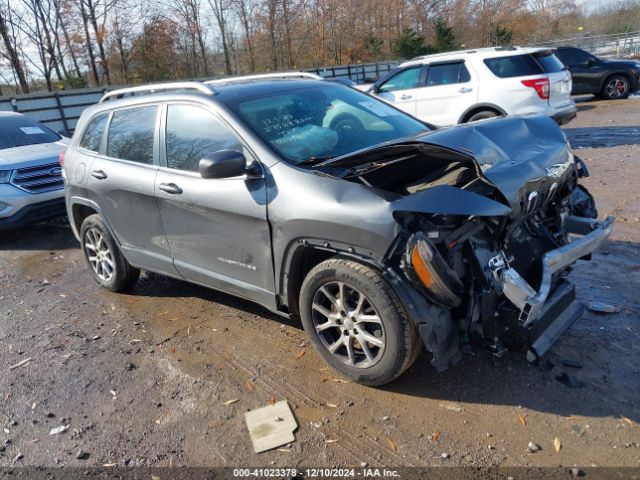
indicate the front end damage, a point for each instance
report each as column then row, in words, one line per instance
column 492, row 218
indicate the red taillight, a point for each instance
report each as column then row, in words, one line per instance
column 541, row 86
column 61, row 158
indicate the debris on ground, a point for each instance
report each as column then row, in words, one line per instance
column 522, row 420
column 386, row 418
column 570, row 381
column 534, row 447
column 454, row 407
column 557, row 444
column 19, row 456
column 82, row 455
column 392, row 444
column 546, row 366
column 576, row 472
column 271, row 426
column 444, row 456
column 601, row 307
column 570, row 362
column 60, row 429
column 20, row 364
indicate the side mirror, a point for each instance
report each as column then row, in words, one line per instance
column 223, row 164
column 591, row 62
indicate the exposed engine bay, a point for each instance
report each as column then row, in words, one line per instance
column 492, row 218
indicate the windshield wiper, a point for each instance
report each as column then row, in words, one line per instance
column 314, row 160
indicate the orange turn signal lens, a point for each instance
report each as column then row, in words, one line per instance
column 419, row 264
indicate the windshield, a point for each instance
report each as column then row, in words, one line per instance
column 18, row 131
column 320, row 122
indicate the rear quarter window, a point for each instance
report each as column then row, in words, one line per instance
column 131, row 134
column 92, row 136
column 513, row 66
column 549, row 62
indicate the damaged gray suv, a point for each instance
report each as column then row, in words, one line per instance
column 320, row 202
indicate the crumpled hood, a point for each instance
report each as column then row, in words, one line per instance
column 515, row 153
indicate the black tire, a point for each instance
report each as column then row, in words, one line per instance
column 117, row 273
column 482, row 115
column 391, row 328
column 616, row 87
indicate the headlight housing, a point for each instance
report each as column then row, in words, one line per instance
column 5, row 175
column 430, row 272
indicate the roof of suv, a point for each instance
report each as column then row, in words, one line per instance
column 215, row 87
column 480, row 53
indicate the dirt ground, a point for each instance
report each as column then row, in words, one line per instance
column 146, row 378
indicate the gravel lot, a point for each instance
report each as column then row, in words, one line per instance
column 144, row 378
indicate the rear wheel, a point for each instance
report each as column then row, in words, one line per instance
column 109, row 268
column 356, row 322
column 616, row 87
column 482, row 115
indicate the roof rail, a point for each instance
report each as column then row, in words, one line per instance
column 157, row 87
column 264, row 76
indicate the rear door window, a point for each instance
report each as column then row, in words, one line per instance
column 92, row 137
column 513, row 66
column 406, row 79
column 193, row 133
column 549, row 62
column 447, row 73
column 131, row 133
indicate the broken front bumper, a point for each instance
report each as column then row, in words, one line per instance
column 530, row 302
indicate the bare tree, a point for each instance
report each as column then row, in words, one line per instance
column 220, row 9
column 245, row 9
column 10, row 41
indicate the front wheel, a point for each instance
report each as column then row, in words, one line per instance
column 616, row 87
column 356, row 322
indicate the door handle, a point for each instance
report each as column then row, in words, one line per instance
column 171, row 188
column 99, row 174
column 465, row 90
column 406, row 97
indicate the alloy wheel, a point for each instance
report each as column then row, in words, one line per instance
column 616, row 88
column 348, row 325
column 98, row 254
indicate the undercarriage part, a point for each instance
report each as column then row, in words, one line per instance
column 435, row 324
column 521, row 294
column 581, row 203
column 560, row 311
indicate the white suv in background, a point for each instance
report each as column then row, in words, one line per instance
column 464, row 86
column 31, row 184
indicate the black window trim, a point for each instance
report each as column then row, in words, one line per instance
column 156, row 146
column 162, row 130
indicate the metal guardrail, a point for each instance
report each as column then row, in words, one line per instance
column 615, row 45
column 360, row 73
column 61, row 110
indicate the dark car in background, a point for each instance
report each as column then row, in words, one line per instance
column 610, row 79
